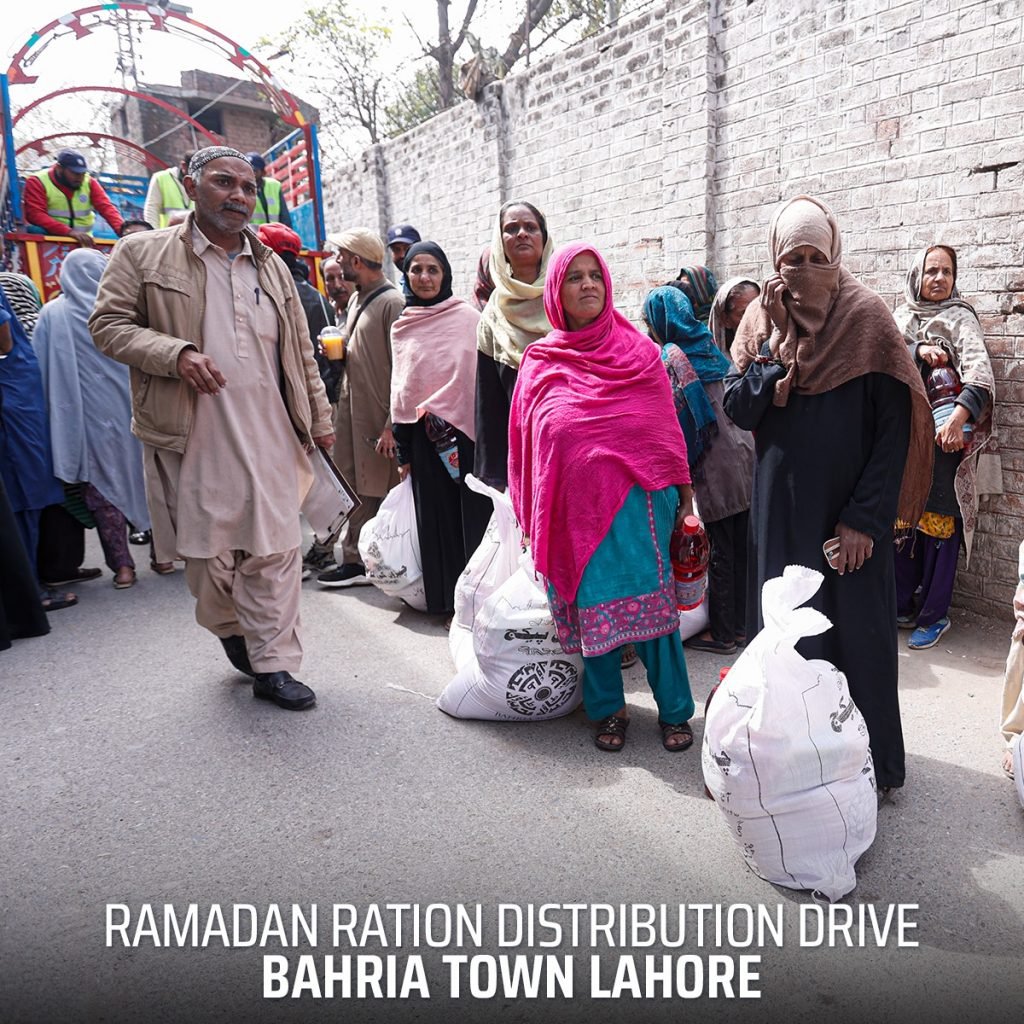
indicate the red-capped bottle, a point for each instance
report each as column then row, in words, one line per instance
column 442, row 434
column 690, row 553
column 942, row 386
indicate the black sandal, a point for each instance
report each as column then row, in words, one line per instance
column 709, row 646
column 614, row 726
column 670, row 730
column 53, row 600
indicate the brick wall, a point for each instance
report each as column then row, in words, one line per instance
column 250, row 130
column 669, row 139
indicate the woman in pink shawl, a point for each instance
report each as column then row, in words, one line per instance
column 598, row 476
column 433, row 345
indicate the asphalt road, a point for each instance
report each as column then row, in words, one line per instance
column 140, row 770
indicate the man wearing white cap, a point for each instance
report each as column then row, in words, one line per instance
column 365, row 447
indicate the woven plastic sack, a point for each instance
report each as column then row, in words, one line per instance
column 786, row 754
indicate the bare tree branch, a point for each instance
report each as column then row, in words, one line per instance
column 461, row 37
column 428, row 50
column 565, row 23
column 535, row 12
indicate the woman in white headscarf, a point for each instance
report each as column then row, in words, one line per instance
column 826, row 384
column 89, row 402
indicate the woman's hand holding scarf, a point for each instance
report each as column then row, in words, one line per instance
column 772, row 300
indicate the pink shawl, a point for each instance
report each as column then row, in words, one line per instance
column 433, row 351
column 592, row 415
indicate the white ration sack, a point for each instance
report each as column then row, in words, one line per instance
column 786, row 755
column 514, row 669
column 494, row 561
column 389, row 546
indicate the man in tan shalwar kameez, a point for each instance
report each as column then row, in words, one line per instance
column 365, row 447
column 227, row 399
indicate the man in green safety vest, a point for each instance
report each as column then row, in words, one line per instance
column 65, row 199
column 166, row 201
column 270, row 204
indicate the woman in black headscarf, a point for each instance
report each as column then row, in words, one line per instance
column 433, row 345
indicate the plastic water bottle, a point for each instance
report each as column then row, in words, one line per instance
column 942, row 386
column 442, row 434
column 690, row 553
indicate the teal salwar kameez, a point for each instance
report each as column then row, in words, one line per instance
column 627, row 595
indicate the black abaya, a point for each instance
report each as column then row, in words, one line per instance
column 495, row 383
column 822, row 459
column 450, row 518
column 21, row 611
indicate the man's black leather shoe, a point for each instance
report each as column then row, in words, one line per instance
column 284, row 691
column 234, row 648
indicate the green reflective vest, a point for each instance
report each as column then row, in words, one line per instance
column 268, row 204
column 77, row 211
column 172, row 195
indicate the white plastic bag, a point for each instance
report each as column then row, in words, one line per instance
column 494, row 561
column 786, row 753
column 515, row 669
column 694, row 621
column 389, row 546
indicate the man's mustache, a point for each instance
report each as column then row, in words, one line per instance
column 234, row 207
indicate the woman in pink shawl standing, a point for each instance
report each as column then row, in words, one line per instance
column 598, row 476
column 433, row 346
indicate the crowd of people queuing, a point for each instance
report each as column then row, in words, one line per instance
column 181, row 383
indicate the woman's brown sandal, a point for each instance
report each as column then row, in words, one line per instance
column 670, row 731
column 612, row 726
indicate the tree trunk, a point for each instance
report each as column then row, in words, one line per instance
column 444, row 56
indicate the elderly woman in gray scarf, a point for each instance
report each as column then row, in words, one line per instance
column 943, row 330
column 89, row 402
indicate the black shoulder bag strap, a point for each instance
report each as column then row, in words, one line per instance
column 363, row 305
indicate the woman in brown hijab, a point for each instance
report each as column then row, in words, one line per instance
column 836, row 404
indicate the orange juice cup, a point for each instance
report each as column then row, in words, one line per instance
column 332, row 341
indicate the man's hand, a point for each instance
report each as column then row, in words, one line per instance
column 403, row 471
column 386, row 443
column 200, row 371
column 83, row 238
column 324, row 441
column 855, row 548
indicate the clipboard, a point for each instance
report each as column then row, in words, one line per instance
column 331, row 499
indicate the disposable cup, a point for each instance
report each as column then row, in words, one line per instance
column 332, row 341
